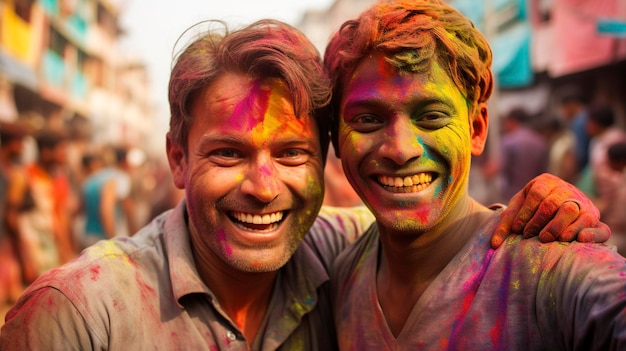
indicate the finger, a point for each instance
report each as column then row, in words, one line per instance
column 551, row 217
column 503, row 228
column 550, row 206
column 557, row 227
column 598, row 234
column 537, row 191
column 570, row 232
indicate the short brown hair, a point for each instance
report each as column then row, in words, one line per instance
column 264, row 49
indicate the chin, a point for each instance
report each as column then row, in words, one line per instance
column 262, row 262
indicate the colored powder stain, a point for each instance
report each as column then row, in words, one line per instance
column 265, row 171
column 95, row 272
column 470, row 287
column 300, row 309
column 297, row 344
column 214, row 348
column 109, row 249
column 245, row 116
column 501, row 306
column 273, row 109
column 421, row 216
column 239, row 177
column 221, row 236
column 145, row 288
column 313, row 188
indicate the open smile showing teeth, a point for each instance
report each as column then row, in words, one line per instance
column 407, row 184
column 256, row 222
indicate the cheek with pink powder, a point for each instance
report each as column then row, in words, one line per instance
column 221, row 237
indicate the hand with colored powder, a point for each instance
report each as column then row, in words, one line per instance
column 554, row 210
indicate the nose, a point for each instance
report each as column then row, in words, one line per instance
column 402, row 143
column 262, row 180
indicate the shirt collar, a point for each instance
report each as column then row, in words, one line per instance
column 182, row 268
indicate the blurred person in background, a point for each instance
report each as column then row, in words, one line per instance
column 126, row 218
column 615, row 204
column 562, row 144
column 15, row 198
column 599, row 174
column 47, row 227
column 524, row 153
column 98, row 200
column 108, row 203
column 164, row 194
column 604, row 132
column 573, row 109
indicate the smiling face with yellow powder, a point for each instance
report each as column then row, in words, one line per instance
column 406, row 140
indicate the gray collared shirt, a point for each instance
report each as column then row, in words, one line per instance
column 144, row 293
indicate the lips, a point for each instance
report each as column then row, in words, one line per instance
column 257, row 222
column 406, row 184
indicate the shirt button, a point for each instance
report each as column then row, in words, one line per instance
column 231, row 336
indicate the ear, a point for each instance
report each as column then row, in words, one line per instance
column 177, row 160
column 479, row 128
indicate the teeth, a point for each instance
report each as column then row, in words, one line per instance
column 414, row 183
column 258, row 219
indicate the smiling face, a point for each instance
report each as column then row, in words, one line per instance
column 253, row 173
column 406, row 140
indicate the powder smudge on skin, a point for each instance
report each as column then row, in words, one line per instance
column 221, row 236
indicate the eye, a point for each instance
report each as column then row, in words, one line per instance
column 432, row 120
column 294, row 157
column 225, row 157
column 366, row 123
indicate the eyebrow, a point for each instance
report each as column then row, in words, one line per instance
column 284, row 140
column 377, row 102
column 218, row 138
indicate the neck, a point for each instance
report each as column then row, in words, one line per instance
column 409, row 263
column 427, row 253
column 243, row 296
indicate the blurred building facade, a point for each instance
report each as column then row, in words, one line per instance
column 60, row 67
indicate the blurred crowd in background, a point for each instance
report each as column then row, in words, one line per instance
column 582, row 142
column 56, row 200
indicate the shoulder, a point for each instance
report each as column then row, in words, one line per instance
column 334, row 229
column 354, row 256
column 560, row 260
column 579, row 286
column 110, row 282
column 44, row 318
column 338, row 226
column 349, row 222
column 109, row 269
